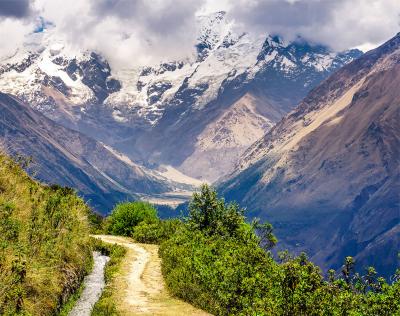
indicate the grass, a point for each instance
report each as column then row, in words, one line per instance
column 44, row 243
column 106, row 305
column 69, row 305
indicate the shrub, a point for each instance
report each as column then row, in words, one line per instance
column 96, row 223
column 220, row 275
column 126, row 216
column 212, row 216
column 214, row 261
column 218, row 263
column 155, row 232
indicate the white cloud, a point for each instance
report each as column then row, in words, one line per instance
column 340, row 24
column 211, row 6
column 127, row 32
column 131, row 32
column 13, row 34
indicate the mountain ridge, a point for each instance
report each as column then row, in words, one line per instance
column 67, row 157
column 332, row 164
column 140, row 110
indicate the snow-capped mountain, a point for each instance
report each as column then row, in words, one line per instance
column 159, row 114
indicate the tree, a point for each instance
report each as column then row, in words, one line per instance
column 126, row 216
column 347, row 269
column 264, row 232
column 212, row 216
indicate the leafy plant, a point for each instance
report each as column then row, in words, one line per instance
column 221, row 264
column 126, row 216
column 155, row 232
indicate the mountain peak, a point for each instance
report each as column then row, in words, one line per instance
column 214, row 30
column 156, row 103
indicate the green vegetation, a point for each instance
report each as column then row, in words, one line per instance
column 106, row 305
column 126, row 216
column 140, row 221
column 96, row 223
column 216, row 261
column 67, row 307
column 44, row 243
column 156, row 231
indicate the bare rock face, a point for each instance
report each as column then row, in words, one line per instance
column 328, row 174
column 222, row 142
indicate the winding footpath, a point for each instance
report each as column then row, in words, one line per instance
column 139, row 287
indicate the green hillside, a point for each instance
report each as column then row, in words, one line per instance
column 44, row 243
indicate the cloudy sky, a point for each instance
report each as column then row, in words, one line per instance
column 144, row 31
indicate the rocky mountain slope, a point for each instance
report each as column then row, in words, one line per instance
column 328, row 174
column 220, row 144
column 69, row 158
column 166, row 113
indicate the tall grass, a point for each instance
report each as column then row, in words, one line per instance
column 107, row 305
column 44, row 243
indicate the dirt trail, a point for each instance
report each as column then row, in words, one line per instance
column 139, row 288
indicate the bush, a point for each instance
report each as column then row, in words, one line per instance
column 126, row 216
column 220, row 275
column 96, row 223
column 212, row 216
column 155, row 232
column 217, row 262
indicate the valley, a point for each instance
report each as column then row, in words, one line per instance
column 196, row 115
column 199, row 157
column 67, row 157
